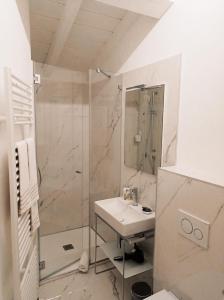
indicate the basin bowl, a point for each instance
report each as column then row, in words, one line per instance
column 123, row 217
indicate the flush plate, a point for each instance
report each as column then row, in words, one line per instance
column 193, row 228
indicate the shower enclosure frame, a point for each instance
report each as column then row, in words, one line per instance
column 54, row 273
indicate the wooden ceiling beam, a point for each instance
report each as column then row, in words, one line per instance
column 66, row 22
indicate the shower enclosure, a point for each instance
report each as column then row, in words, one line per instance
column 78, row 131
column 61, row 102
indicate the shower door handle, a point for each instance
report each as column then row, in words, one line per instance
column 40, row 176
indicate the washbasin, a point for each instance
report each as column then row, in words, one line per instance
column 125, row 218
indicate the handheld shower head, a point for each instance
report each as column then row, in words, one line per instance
column 99, row 70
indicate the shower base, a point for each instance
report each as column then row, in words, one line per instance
column 60, row 252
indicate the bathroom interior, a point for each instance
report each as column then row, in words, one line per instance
column 111, row 150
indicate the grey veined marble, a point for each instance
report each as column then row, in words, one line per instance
column 166, row 73
column 62, row 150
column 180, row 265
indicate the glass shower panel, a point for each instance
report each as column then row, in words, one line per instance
column 105, row 144
column 62, row 153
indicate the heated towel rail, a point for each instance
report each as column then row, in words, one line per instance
column 20, row 125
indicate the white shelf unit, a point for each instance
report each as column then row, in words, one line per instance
column 127, row 268
column 131, row 267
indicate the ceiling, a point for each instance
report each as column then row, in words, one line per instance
column 79, row 34
column 151, row 8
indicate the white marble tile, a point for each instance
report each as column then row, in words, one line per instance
column 81, row 287
column 104, row 286
column 146, row 184
column 105, row 109
column 62, row 120
column 165, row 72
column 189, row 271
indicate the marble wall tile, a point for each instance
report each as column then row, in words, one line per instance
column 146, row 184
column 105, row 139
column 191, row 272
column 62, row 117
column 165, row 72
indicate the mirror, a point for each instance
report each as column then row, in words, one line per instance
column 143, row 128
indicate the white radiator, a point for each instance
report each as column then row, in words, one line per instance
column 24, row 236
column 30, row 283
column 20, row 126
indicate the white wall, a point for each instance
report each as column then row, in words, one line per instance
column 14, row 53
column 196, row 30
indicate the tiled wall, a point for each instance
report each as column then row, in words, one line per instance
column 107, row 106
column 105, row 138
column 62, row 148
column 191, row 272
column 165, row 72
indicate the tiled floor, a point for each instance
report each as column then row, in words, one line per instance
column 79, row 286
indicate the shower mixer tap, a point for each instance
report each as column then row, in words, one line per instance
column 134, row 195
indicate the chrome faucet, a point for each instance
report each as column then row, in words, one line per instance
column 134, row 195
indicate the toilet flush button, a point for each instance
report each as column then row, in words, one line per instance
column 198, row 234
column 186, row 226
column 193, row 228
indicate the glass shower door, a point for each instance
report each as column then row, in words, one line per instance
column 61, row 153
column 105, row 145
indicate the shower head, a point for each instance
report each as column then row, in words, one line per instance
column 99, row 70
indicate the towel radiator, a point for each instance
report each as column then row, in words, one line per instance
column 20, row 125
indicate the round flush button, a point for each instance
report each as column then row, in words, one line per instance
column 198, row 234
column 186, row 226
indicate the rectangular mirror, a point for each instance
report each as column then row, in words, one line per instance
column 143, row 128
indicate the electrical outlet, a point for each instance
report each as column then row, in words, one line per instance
column 193, row 228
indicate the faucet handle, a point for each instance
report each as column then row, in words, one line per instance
column 126, row 192
column 134, row 194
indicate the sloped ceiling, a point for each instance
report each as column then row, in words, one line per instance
column 151, row 8
column 80, row 34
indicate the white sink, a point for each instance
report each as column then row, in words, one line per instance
column 126, row 219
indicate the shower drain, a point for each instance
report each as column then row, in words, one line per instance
column 68, row 247
column 42, row 265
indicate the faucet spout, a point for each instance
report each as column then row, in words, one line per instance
column 134, row 195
